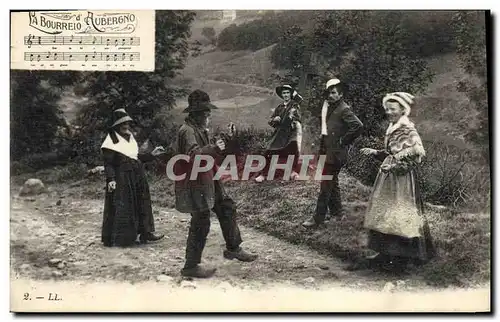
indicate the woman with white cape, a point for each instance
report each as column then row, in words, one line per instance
column 128, row 214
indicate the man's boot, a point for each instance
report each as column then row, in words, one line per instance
column 198, row 272
column 240, row 255
column 312, row 223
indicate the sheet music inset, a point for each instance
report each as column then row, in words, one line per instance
column 83, row 40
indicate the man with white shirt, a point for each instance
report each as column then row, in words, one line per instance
column 339, row 128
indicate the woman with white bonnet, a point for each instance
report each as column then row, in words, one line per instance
column 398, row 232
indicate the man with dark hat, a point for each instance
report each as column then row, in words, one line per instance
column 339, row 128
column 287, row 136
column 203, row 193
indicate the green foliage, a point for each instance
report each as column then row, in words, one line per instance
column 209, row 33
column 248, row 140
column 463, row 243
column 253, row 36
column 368, row 50
column 36, row 118
column 143, row 95
column 431, row 32
column 362, row 167
column 34, row 114
column 263, row 32
column 471, row 47
column 454, row 177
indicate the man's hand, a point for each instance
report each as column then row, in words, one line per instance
column 277, row 119
column 221, row 144
column 111, row 186
column 158, row 150
column 368, row 151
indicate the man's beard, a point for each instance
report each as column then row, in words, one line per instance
column 333, row 101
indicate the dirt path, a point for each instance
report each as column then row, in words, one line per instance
column 69, row 235
column 60, row 242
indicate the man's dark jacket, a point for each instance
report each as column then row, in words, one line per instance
column 343, row 128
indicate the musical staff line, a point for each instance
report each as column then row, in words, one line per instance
column 81, row 40
column 82, row 56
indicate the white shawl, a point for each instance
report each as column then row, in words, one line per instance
column 324, row 112
column 127, row 148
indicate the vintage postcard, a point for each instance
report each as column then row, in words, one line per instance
column 250, row 161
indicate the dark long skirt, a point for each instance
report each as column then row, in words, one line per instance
column 419, row 249
column 127, row 209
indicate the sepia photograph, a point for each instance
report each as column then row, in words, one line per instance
column 250, row 160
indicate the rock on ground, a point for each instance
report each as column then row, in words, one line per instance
column 32, row 187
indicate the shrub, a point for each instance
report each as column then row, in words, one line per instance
column 454, row 177
column 364, row 168
column 263, row 32
column 209, row 33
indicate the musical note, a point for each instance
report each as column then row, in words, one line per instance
column 29, row 41
column 80, row 56
column 88, row 40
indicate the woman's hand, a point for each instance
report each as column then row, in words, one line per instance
column 386, row 168
column 368, row 151
column 158, row 150
column 111, row 186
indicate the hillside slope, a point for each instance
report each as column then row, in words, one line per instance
column 244, row 67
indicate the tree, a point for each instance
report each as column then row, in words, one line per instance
column 470, row 27
column 35, row 116
column 369, row 51
column 209, row 33
column 142, row 94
